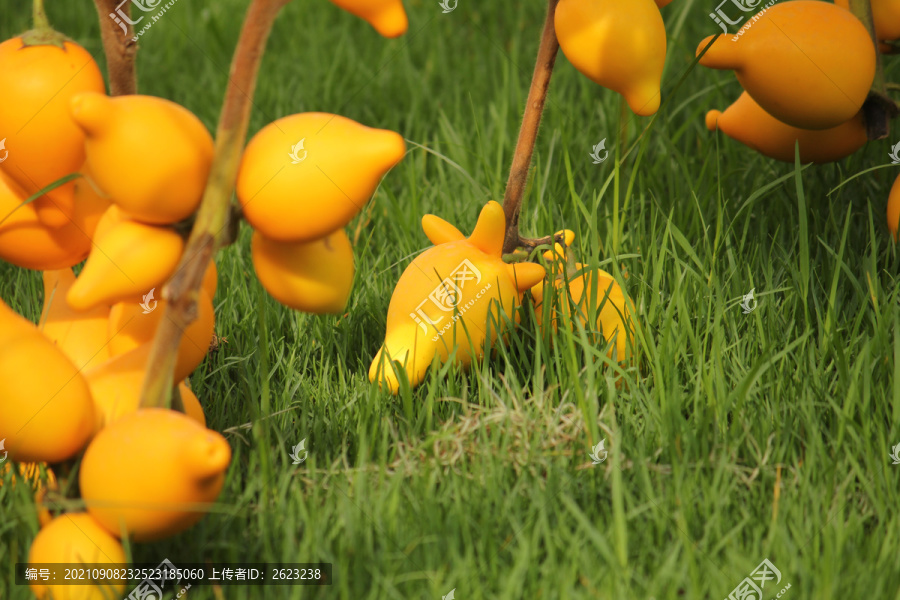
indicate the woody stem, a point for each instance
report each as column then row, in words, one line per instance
column 531, row 122
column 118, row 47
column 879, row 108
column 210, row 229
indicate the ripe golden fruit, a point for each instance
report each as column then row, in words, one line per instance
column 893, row 208
column 599, row 303
column 145, row 473
column 129, row 260
column 74, row 539
column 191, row 404
column 43, row 143
column 48, row 415
column 306, row 175
column 749, row 124
column 886, row 14
column 386, row 16
column 314, row 277
column 26, row 242
column 150, row 155
column 81, row 335
column 788, row 61
column 627, row 59
column 447, row 295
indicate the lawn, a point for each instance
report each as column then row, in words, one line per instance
column 739, row 437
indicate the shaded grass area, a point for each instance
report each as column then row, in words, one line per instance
column 739, row 437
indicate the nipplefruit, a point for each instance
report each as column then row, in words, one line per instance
column 305, row 176
column 83, row 336
column 447, row 295
column 144, row 475
column 386, row 16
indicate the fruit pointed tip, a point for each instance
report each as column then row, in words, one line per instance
column 712, row 119
column 89, row 110
column 392, row 22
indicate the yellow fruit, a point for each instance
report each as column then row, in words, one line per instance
column 619, row 44
column 26, row 242
column 314, row 277
column 559, row 253
column 306, row 175
column 150, row 155
column 129, row 260
column 145, row 473
column 47, row 411
column 130, row 328
column 599, row 303
column 886, row 14
column 74, row 539
column 81, row 335
column 789, row 62
column 386, row 16
column 42, row 142
column 191, row 403
column 446, row 297
column 211, row 280
column 749, row 124
column 893, row 208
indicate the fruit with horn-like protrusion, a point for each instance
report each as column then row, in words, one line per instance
column 386, row 16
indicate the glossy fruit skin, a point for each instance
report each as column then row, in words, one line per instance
column 74, row 539
column 386, row 16
column 192, row 406
column 342, row 163
column 893, row 208
column 26, row 242
column 154, row 457
column 47, row 409
column 788, row 62
column 314, row 277
column 746, row 122
column 149, row 155
column 423, row 321
column 885, row 14
column 599, row 303
column 44, row 143
column 81, row 335
column 128, row 260
column 626, row 59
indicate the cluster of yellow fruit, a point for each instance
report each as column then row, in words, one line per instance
column 456, row 296
column 74, row 383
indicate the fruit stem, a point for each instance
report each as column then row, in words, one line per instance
column 40, row 17
column 531, row 122
column 211, row 226
column 119, row 45
column 878, row 109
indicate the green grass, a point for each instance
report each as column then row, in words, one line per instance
column 481, row 481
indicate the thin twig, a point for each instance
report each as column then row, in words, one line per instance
column 211, row 226
column 531, row 122
column 120, row 50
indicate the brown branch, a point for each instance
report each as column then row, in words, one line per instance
column 531, row 122
column 212, row 219
column 878, row 108
column 120, row 50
